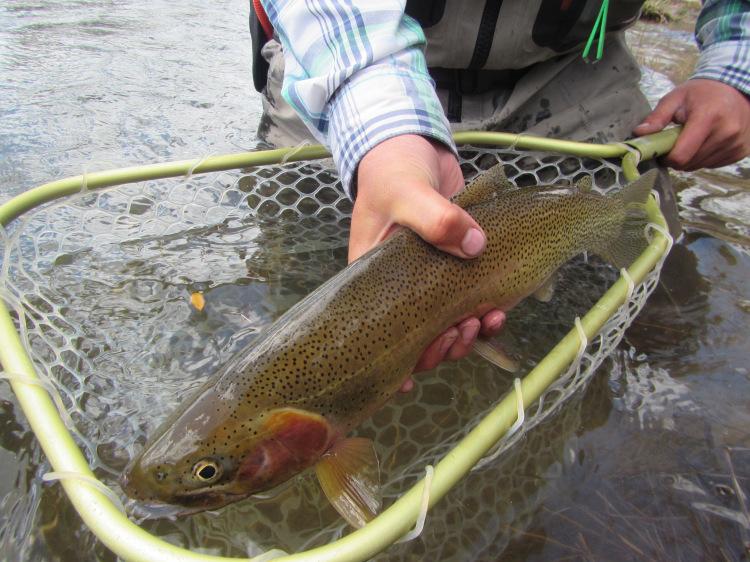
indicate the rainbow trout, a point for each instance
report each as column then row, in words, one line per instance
column 288, row 401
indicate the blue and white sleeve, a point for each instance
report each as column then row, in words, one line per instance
column 356, row 74
column 723, row 35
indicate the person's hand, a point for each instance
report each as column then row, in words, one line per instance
column 407, row 180
column 716, row 119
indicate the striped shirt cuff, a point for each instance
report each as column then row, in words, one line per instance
column 727, row 62
column 382, row 101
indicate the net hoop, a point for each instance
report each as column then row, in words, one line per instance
column 129, row 541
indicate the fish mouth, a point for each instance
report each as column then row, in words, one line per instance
column 148, row 503
column 153, row 510
column 181, row 505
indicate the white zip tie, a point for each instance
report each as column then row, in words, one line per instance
column 520, row 418
column 515, row 142
column 190, row 172
column 630, row 282
column 633, row 150
column 657, row 197
column 51, row 390
column 93, row 482
column 663, row 231
column 419, row 526
column 583, row 338
column 269, row 555
column 295, row 150
column 6, row 254
column 84, row 181
column 519, row 408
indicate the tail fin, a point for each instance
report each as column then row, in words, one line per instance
column 624, row 248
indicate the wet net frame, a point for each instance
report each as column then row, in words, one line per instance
column 568, row 361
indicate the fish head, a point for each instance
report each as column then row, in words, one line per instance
column 211, row 454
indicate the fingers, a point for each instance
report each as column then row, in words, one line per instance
column 492, row 323
column 710, row 140
column 437, row 350
column 716, row 119
column 458, row 341
column 455, row 343
column 709, row 151
column 407, row 386
column 721, row 157
column 468, row 331
column 727, row 142
column 662, row 115
column 697, row 128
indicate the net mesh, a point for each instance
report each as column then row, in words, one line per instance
column 100, row 285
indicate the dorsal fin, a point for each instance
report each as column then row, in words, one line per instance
column 584, row 184
column 483, row 187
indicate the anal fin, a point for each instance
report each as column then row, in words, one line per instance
column 495, row 355
column 546, row 290
column 350, row 477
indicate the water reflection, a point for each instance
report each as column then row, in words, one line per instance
column 92, row 85
column 672, row 324
column 666, row 477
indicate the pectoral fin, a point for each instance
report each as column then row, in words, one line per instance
column 495, row 355
column 546, row 290
column 350, row 478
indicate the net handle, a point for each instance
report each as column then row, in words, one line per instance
column 131, row 542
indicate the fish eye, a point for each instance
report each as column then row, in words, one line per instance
column 207, row 470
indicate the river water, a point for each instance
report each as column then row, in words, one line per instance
column 651, row 462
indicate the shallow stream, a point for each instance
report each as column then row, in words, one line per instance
column 651, row 462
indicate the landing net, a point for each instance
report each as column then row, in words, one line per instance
column 99, row 285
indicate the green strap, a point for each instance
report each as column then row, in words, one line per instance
column 599, row 25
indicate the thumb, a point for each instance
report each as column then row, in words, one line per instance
column 662, row 115
column 440, row 222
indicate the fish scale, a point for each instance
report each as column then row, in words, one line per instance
column 288, row 402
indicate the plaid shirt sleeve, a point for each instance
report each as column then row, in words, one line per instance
column 723, row 35
column 355, row 72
